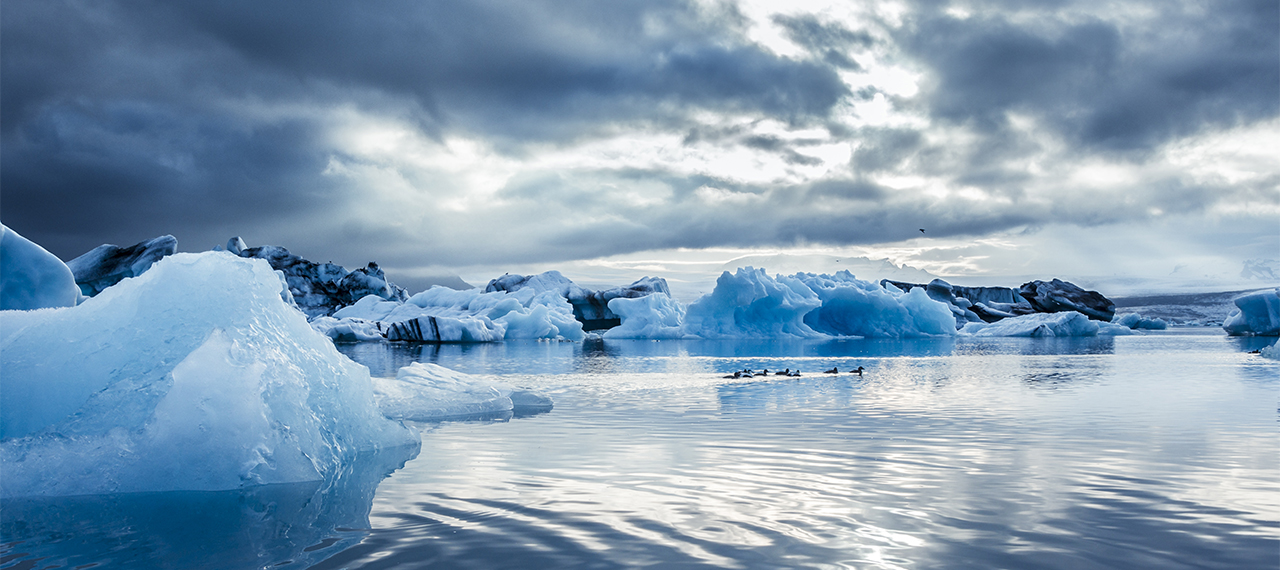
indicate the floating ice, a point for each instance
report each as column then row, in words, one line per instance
column 1066, row 323
column 441, row 314
column 107, row 264
column 1257, row 313
column 1058, row 295
column 652, row 316
column 195, row 375
column 1136, row 321
column 321, row 288
column 854, row 307
column 750, row 304
column 430, row 392
column 32, row 278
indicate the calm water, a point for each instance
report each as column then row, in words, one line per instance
column 1150, row 451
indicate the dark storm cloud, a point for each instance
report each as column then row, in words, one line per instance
column 123, row 120
column 1101, row 84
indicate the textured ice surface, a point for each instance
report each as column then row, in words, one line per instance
column 429, row 392
column 1066, row 323
column 851, row 306
column 652, row 316
column 32, row 278
column 750, row 304
column 321, row 288
column 193, row 376
column 107, row 264
column 1257, row 313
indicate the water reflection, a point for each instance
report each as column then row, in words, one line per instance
column 285, row 526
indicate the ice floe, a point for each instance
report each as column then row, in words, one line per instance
column 430, row 392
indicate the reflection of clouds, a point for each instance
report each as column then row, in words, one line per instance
column 294, row 525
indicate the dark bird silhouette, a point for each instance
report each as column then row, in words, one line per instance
column 833, row 370
column 786, row 372
column 858, row 371
column 921, row 230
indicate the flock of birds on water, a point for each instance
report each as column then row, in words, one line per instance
column 749, row 373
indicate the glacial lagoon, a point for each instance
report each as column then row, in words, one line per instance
column 1156, row 450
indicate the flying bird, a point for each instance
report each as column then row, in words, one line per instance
column 921, row 230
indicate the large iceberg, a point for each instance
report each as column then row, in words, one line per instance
column 196, row 375
column 32, row 278
column 321, row 288
column 1257, row 313
column 107, row 264
column 751, row 304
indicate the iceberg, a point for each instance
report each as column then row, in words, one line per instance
column 107, row 264
column 195, row 375
column 852, row 307
column 1066, row 323
column 650, row 317
column 591, row 308
column 430, row 392
column 31, row 277
column 1058, row 295
column 1135, row 321
column 535, row 308
column 750, row 304
column 319, row 289
column 1256, row 313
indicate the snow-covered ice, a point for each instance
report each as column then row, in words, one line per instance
column 1257, row 313
column 31, row 277
column 195, row 375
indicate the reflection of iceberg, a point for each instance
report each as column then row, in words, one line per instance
column 193, row 376
column 295, row 525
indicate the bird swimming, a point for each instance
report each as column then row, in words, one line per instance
column 833, row 370
column 858, row 371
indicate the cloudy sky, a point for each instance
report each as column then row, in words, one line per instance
column 1126, row 139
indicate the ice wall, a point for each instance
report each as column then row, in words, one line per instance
column 32, row 278
column 195, row 375
column 1257, row 313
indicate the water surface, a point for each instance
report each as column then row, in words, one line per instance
column 1149, row 451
